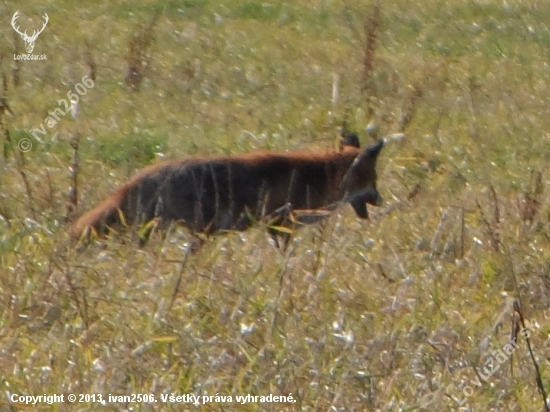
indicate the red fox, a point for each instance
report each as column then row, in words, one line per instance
column 213, row 194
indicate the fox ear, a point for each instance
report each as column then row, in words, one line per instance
column 350, row 140
column 373, row 150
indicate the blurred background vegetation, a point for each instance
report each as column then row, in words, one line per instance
column 391, row 314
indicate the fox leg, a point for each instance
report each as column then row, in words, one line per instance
column 281, row 219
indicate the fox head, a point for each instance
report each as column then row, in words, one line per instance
column 359, row 182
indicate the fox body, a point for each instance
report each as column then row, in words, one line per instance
column 228, row 193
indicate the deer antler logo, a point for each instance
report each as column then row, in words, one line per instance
column 29, row 40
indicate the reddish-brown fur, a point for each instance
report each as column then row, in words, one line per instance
column 209, row 194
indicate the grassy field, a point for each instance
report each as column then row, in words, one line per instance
column 399, row 313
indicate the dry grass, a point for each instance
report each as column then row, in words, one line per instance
column 392, row 314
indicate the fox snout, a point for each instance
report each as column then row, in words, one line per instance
column 359, row 202
column 372, row 197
